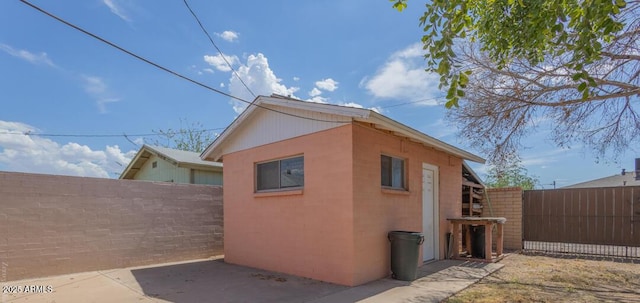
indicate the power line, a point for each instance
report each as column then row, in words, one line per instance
column 158, row 66
column 28, row 133
column 412, row 102
column 217, row 48
column 130, row 141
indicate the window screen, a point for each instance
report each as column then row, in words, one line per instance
column 278, row 174
column 392, row 172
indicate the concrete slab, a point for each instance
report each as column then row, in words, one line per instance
column 436, row 282
column 212, row 280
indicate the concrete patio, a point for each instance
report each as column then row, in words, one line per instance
column 212, row 280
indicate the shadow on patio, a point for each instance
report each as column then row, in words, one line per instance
column 216, row 281
column 212, row 280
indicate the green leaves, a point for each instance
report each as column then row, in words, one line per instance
column 582, row 87
column 456, row 89
column 506, row 30
column 510, row 173
column 400, row 5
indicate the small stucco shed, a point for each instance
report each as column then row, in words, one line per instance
column 313, row 189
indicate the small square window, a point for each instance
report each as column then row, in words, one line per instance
column 154, row 164
column 280, row 174
column 392, row 172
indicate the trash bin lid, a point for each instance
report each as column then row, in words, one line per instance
column 406, row 235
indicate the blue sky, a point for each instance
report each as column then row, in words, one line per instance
column 56, row 80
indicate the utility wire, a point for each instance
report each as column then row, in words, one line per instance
column 159, row 134
column 217, row 48
column 412, row 102
column 102, row 135
column 130, row 141
column 158, row 66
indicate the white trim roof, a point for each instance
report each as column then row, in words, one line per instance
column 177, row 157
column 349, row 115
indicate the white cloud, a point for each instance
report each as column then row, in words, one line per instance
column 102, row 104
column 546, row 157
column 117, row 9
column 327, row 84
column 228, row 36
column 377, row 109
column 318, row 99
column 33, row 154
column 94, row 85
column 259, row 77
column 219, row 63
column 315, row 92
column 440, row 129
column 139, row 141
column 357, row 105
column 28, row 56
column 403, row 77
column 351, row 104
column 98, row 90
column 208, row 70
column 296, row 78
column 412, row 51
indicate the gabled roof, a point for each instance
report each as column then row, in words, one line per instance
column 326, row 116
column 628, row 179
column 177, row 157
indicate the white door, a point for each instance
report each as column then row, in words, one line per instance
column 429, row 211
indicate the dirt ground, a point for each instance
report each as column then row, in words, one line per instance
column 528, row 278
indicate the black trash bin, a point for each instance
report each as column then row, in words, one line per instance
column 477, row 242
column 405, row 249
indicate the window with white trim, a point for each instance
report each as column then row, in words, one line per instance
column 392, row 172
column 280, row 174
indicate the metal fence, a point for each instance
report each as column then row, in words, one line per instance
column 588, row 221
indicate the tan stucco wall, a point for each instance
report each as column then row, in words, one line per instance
column 377, row 212
column 507, row 202
column 52, row 225
column 308, row 234
column 335, row 229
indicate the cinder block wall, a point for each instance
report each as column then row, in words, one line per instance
column 507, row 202
column 52, row 225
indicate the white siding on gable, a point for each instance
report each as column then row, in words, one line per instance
column 269, row 126
column 164, row 171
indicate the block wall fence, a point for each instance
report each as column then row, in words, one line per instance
column 51, row 225
column 507, row 202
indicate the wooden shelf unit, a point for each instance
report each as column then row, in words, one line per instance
column 472, row 196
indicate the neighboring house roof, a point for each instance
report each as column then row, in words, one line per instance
column 628, row 179
column 319, row 117
column 177, row 157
